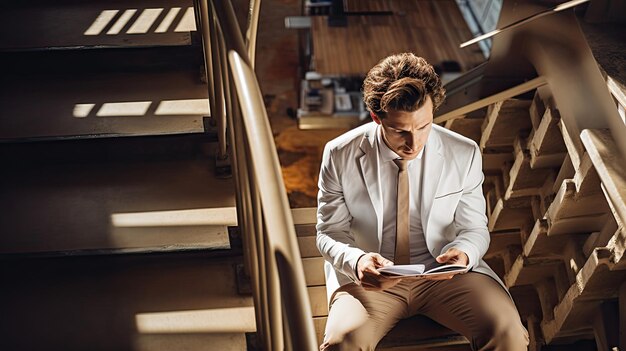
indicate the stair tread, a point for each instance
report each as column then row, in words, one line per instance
column 144, row 299
column 107, row 204
column 37, row 25
column 102, row 104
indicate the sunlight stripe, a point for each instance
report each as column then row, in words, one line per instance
column 121, row 22
column 101, row 22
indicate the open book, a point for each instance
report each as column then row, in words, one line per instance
column 419, row 270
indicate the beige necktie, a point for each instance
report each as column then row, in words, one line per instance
column 402, row 254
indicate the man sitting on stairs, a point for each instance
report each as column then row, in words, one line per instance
column 400, row 190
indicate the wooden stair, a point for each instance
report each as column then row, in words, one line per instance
column 556, row 215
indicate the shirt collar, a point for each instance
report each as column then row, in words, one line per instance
column 386, row 154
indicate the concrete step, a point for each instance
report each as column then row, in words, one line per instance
column 196, row 342
column 114, row 195
column 102, row 60
column 102, row 104
column 131, row 302
column 72, row 24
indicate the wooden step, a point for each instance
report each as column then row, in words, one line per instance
column 304, row 216
column 571, row 213
column 469, row 127
column 529, row 271
column 547, row 149
column 493, row 160
column 493, row 190
column 568, row 248
column 504, row 122
column 539, row 244
column 523, row 180
column 610, row 166
column 601, row 238
column 595, row 282
column 511, row 214
column 314, row 271
column 308, row 247
column 320, row 326
column 574, row 151
column 318, row 300
column 305, row 219
column 501, row 241
column 566, row 171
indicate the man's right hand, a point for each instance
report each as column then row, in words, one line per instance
column 370, row 277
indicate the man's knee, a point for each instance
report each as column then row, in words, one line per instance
column 358, row 340
column 501, row 333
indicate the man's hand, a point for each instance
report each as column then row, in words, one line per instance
column 452, row 256
column 370, row 277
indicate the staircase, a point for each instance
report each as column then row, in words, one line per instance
column 115, row 228
column 555, row 219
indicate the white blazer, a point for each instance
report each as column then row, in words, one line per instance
column 349, row 212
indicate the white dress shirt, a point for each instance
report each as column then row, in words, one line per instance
column 389, row 181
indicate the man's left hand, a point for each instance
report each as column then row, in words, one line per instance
column 453, row 256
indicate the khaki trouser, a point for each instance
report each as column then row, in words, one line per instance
column 472, row 304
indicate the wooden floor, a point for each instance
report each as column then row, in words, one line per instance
column 431, row 29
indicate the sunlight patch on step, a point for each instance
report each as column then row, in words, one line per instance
column 101, row 22
column 145, row 21
column 220, row 320
column 136, row 108
column 183, row 107
column 122, row 21
column 205, row 216
column 168, row 20
column 82, row 110
column 213, row 237
column 188, row 22
column 142, row 23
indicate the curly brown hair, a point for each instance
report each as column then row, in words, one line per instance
column 401, row 82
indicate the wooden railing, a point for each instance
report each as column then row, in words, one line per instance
column 271, row 254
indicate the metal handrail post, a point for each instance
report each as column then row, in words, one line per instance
column 253, row 26
column 268, row 338
column 219, row 115
column 202, row 18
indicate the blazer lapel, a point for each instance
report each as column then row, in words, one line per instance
column 433, row 166
column 371, row 175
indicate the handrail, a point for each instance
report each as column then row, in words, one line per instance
column 277, row 215
column 503, row 95
column 282, row 310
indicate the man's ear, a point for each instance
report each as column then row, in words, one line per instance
column 375, row 118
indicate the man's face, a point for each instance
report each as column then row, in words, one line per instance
column 407, row 132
